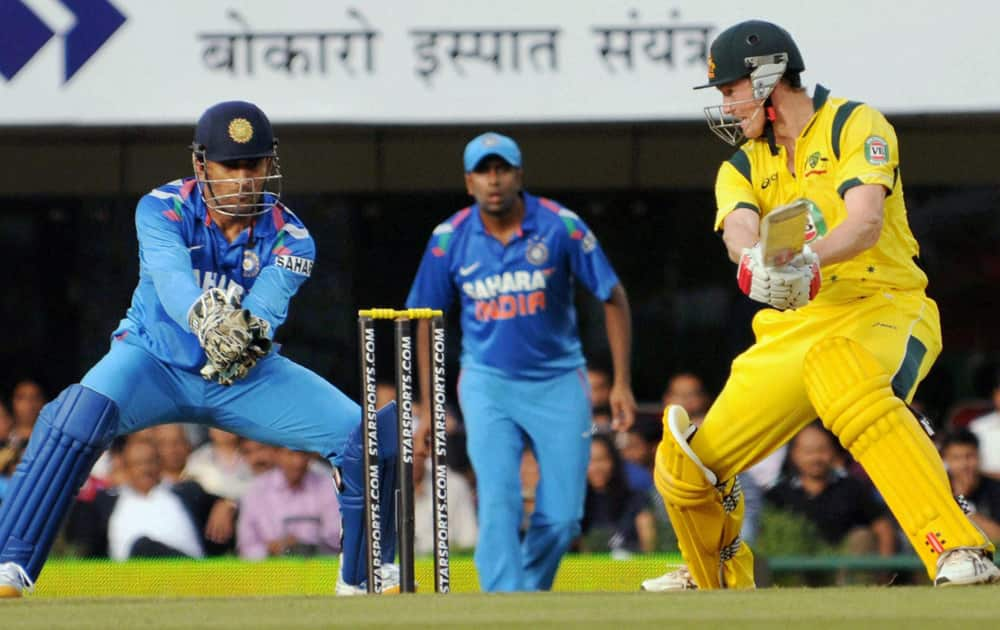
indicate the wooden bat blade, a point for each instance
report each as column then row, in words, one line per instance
column 783, row 232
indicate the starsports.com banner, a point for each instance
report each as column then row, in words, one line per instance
column 135, row 62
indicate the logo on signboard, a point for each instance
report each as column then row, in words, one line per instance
column 23, row 34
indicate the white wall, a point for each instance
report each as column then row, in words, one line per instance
column 163, row 65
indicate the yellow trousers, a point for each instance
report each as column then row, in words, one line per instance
column 896, row 337
column 764, row 402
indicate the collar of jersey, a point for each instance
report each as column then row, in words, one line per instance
column 266, row 224
column 820, row 96
column 529, row 222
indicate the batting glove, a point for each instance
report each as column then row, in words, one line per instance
column 789, row 286
column 809, row 260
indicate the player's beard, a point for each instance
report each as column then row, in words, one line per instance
column 505, row 208
column 242, row 202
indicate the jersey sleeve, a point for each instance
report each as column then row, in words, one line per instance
column 587, row 259
column 869, row 153
column 432, row 287
column 733, row 188
column 294, row 254
column 164, row 255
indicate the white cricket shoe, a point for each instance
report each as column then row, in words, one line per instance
column 390, row 583
column 966, row 565
column 14, row 581
column 676, row 580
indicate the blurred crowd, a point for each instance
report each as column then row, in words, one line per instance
column 181, row 490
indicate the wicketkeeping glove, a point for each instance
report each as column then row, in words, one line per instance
column 259, row 347
column 222, row 328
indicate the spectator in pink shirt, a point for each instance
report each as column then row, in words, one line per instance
column 290, row 510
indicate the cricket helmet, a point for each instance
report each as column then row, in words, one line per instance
column 229, row 132
column 741, row 49
column 757, row 50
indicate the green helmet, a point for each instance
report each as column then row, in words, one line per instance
column 756, row 50
column 745, row 47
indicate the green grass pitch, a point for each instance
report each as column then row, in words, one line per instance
column 849, row 607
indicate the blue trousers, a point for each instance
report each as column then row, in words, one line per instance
column 503, row 416
column 279, row 402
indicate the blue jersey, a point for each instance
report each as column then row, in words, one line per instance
column 517, row 316
column 182, row 253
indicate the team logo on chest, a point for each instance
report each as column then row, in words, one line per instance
column 251, row 263
column 537, row 253
column 816, row 164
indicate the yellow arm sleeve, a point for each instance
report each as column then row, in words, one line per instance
column 869, row 153
column 733, row 188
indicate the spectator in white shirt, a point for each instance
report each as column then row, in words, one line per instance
column 218, row 466
column 149, row 519
column 987, row 431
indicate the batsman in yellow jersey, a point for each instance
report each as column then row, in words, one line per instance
column 851, row 332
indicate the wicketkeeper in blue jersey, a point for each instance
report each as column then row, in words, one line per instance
column 220, row 259
column 512, row 260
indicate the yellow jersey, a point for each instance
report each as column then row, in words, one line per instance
column 844, row 144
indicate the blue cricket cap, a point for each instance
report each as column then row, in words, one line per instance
column 234, row 130
column 488, row 144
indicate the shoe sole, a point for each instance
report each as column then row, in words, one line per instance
column 945, row 582
column 668, row 589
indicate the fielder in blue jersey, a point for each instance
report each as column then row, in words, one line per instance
column 512, row 259
column 220, row 259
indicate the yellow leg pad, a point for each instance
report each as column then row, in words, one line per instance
column 705, row 519
column 852, row 393
column 737, row 559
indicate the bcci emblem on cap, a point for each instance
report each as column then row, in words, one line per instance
column 240, row 130
column 238, row 136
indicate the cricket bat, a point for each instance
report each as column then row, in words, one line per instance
column 783, row 232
